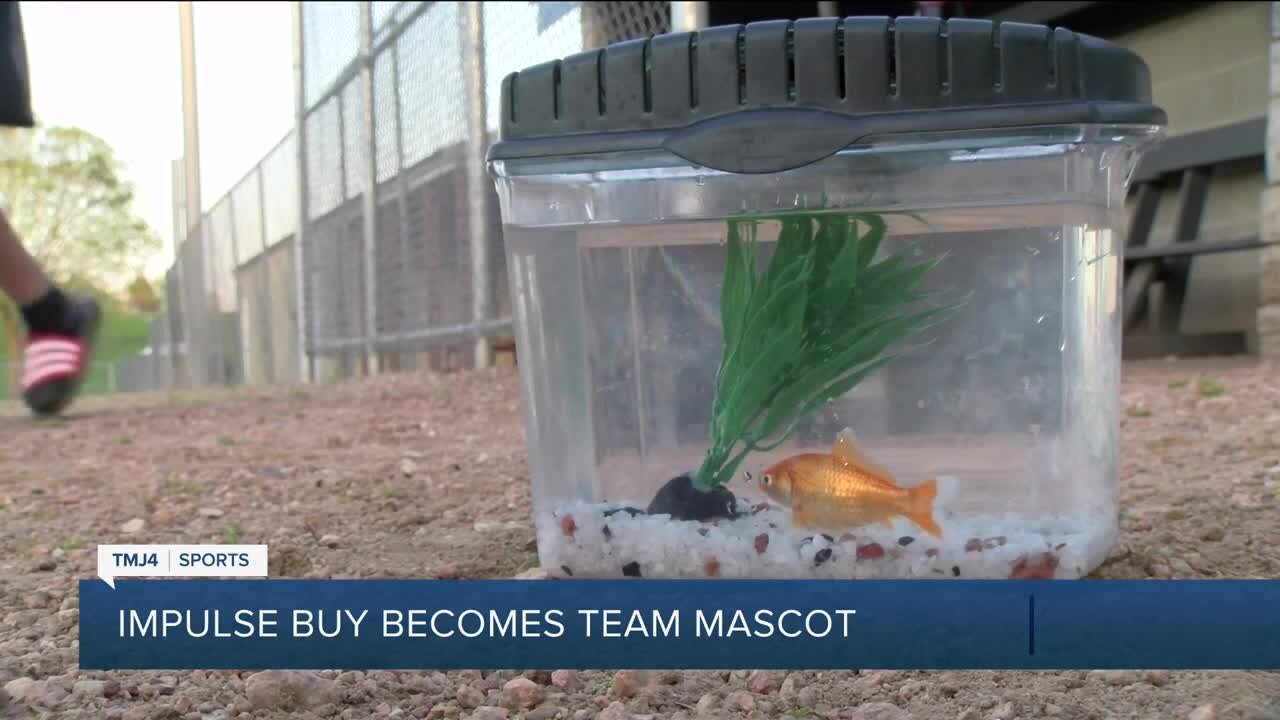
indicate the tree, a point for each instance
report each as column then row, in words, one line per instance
column 142, row 296
column 63, row 191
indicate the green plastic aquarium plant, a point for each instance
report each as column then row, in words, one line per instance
column 813, row 326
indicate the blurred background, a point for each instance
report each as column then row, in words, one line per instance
column 294, row 191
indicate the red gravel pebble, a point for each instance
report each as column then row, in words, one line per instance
column 1038, row 566
column 568, row 526
column 712, row 567
column 931, row 552
column 872, row 551
column 973, row 545
column 762, row 543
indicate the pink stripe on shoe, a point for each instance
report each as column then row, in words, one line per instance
column 50, row 358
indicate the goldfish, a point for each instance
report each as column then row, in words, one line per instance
column 845, row 488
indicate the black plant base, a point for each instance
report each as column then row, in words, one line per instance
column 682, row 501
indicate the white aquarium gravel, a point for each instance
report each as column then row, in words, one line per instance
column 579, row 540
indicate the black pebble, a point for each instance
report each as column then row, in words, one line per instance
column 628, row 510
column 682, row 501
column 566, row 570
column 955, row 570
column 607, row 532
column 704, row 532
column 906, row 540
column 823, row 555
column 631, row 569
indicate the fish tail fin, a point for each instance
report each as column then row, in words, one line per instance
column 920, row 502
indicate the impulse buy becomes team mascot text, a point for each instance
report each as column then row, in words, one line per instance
column 475, row 623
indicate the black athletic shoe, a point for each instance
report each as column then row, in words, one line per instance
column 54, row 364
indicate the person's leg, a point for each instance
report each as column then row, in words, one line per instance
column 60, row 327
column 21, row 278
column 45, row 308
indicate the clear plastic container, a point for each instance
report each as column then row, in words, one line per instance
column 819, row 437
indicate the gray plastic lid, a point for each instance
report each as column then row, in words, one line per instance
column 772, row 96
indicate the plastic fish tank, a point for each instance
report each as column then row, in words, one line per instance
column 831, row 298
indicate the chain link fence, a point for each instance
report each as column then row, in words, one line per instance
column 370, row 238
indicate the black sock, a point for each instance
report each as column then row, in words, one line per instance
column 50, row 314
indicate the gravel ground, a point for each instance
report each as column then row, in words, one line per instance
column 419, row 476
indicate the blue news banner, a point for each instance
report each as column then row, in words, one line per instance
column 679, row 624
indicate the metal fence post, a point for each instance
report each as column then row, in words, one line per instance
column 269, row 316
column 686, row 16
column 235, row 279
column 341, row 357
column 306, row 366
column 190, row 184
column 174, row 311
column 370, row 198
column 212, row 330
column 827, row 8
column 477, row 177
column 402, row 182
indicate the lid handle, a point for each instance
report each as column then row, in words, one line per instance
column 764, row 141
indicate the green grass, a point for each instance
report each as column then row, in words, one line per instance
column 528, row 561
column 1211, row 388
column 179, row 485
column 599, row 685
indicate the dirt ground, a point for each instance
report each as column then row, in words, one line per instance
column 420, row 476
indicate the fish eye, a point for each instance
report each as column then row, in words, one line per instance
column 767, row 479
